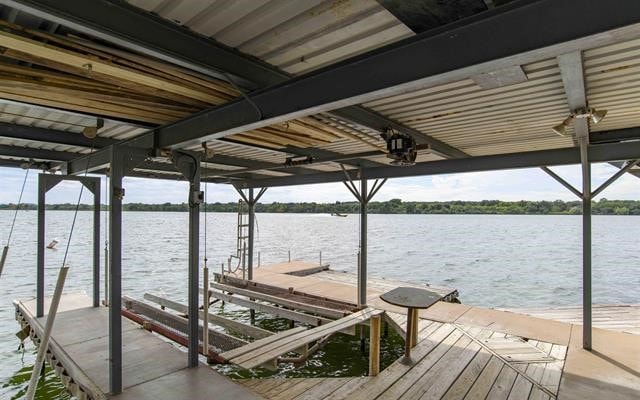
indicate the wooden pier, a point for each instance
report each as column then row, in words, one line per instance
column 154, row 369
column 617, row 317
column 462, row 352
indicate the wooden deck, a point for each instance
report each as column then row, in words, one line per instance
column 152, row 368
column 463, row 352
column 310, row 278
column 616, row 317
column 469, row 352
column 454, row 361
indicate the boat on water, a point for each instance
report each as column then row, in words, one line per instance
column 338, row 215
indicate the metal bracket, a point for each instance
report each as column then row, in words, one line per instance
column 197, row 197
column 118, row 193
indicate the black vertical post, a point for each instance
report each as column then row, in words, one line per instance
column 252, row 217
column 194, row 243
column 96, row 244
column 115, row 285
column 42, row 191
column 586, row 244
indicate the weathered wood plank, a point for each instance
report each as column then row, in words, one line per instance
column 323, row 389
column 483, row 384
column 397, row 370
column 449, row 373
column 269, row 309
column 295, row 305
column 503, row 384
column 273, row 349
column 466, row 379
column 258, row 344
column 215, row 319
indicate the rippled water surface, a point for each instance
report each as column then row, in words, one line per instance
column 495, row 261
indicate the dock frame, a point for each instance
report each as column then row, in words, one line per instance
column 47, row 182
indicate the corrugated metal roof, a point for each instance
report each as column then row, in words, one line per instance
column 480, row 121
column 613, row 83
column 297, row 36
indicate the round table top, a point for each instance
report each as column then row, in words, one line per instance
column 411, row 297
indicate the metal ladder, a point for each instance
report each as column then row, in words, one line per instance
column 242, row 247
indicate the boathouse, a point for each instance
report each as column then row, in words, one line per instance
column 268, row 93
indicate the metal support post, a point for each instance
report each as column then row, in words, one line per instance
column 96, row 244
column 189, row 165
column 194, row 259
column 116, row 193
column 40, row 252
column 362, row 268
column 363, row 196
column 586, row 243
column 252, row 216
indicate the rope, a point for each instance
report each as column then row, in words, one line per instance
column 15, row 215
column 75, row 214
column 205, row 224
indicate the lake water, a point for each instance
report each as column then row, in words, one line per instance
column 494, row 261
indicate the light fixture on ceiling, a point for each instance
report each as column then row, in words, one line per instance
column 401, row 148
column 594, row 115
column 561, row 129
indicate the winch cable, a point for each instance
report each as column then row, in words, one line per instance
column 5, row 251
column 205, row 225
column 106, row 240
column 55, row 301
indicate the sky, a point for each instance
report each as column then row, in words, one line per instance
column 508, row 185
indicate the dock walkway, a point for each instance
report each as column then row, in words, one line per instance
column 463, row 352
column 153, row 368
column 456, row 361
column 468, row 352
column 616, row 317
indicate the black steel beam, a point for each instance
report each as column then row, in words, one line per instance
column 369, row 119
column 120, row 23
column 597, row 153
column 20, row 164
column 25, row 132
column 618, row 135
column 39, row 154
column 518, row 35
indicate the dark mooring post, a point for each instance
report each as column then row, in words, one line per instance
column 116, row 194
column 96, row 243
column 586, row 243
column 42, row 190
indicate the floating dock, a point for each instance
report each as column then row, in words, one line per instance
column 154, row 368
column 462, row 351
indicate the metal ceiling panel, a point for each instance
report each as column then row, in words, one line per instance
column 297, row 36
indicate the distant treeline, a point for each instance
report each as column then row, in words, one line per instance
column 395, row 206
